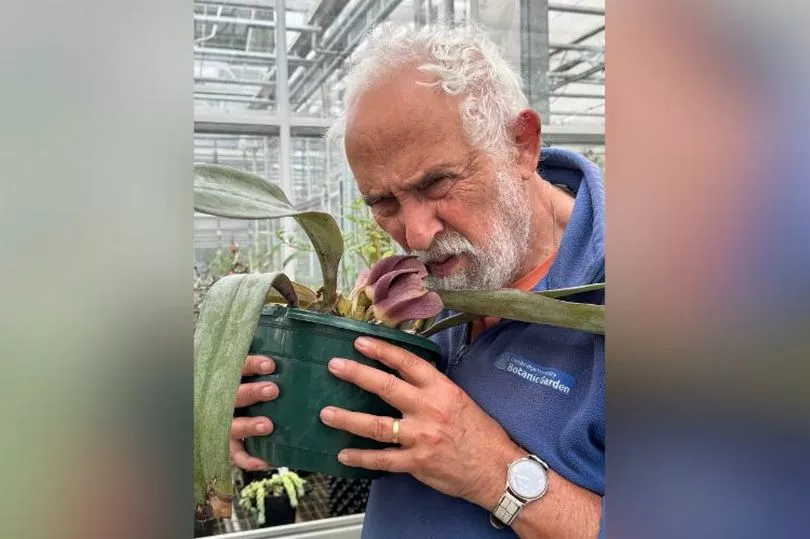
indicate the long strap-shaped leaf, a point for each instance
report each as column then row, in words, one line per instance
column 527, row 307
column 228, row 192
column 304, row 295
column 463, row 318
column 570, row 291
column 228, row 319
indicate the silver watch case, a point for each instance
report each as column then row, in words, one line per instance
column 511, row 502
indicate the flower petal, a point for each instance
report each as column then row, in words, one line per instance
column 379, row 289
column 391, row 263
column 392, row 313
column 395, row 286
column 381, row 267
column 406, row 296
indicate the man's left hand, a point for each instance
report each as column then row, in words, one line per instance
column 446, row 440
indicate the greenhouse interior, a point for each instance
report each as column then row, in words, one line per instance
column 268, row 82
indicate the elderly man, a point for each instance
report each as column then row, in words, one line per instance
column 508, row 432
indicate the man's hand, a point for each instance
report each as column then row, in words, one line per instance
column 447, row 441
column 244, row 427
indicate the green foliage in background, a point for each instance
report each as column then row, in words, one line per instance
column 363, row 244
column 366, row 244
column 369, row 241
column 234, row 260
column 284, row 482
column 255, row 259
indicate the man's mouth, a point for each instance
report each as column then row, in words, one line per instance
column 444, row 266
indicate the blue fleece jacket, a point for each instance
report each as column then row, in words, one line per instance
column 544, row 385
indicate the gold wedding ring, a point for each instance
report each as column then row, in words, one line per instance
column 395, row 436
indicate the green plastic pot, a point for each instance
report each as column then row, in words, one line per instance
column 301, row 343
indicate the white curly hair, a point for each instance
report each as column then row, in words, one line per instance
column 465, row 62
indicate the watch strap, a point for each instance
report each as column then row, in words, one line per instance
column 506, row 511
column 510, row 505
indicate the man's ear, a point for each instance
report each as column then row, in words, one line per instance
column 527, row 139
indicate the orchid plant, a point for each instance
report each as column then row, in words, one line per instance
column 392, row 292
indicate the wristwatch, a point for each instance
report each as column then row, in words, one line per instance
column 526, row 481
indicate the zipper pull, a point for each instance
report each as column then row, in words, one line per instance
column 462, row 350
column 460, row 354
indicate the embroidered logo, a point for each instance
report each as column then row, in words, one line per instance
column 537, row 374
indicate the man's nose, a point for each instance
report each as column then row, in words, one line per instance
column 421, row 225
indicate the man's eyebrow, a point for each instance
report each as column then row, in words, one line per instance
column 431, row 175
column 370, row 200
column 436, row 172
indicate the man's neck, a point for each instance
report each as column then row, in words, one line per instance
column 551, row 210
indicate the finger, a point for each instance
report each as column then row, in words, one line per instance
column 245, row 427
column 396, row 392
column 247, row 394
column 243, row 460
column 375, row 427
column 391, row 459
column 413, row 368
column 258, row 365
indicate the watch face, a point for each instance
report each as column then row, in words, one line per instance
column 527, row 478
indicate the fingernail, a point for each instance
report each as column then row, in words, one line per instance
column 263, row 428
column 362, row 343
column 341, row 457
column 268, row 367
column 327, row 414
column 269, row 392
column 336, row 364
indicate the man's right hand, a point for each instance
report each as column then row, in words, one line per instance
column 244, row 427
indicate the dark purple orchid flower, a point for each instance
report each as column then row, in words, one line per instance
column 395, row 285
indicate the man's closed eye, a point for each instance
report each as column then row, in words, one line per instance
column 385, row 206
column 437, row 187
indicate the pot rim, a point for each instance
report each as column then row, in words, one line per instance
column 357, row 326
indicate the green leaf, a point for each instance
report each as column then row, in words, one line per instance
column 228, row 319
column 306, row 296
column 463, row 318
column 227, row 192
column 526, row 307
column 565, row 292
column 446, row 323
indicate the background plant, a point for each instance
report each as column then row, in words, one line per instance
column 364, row 244
column 228, row 261
column 257, row 257
column 283, row 482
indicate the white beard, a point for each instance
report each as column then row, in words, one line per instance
column 495, row 265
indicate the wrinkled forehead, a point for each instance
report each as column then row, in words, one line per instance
column 400, row 110
column 400, row 126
